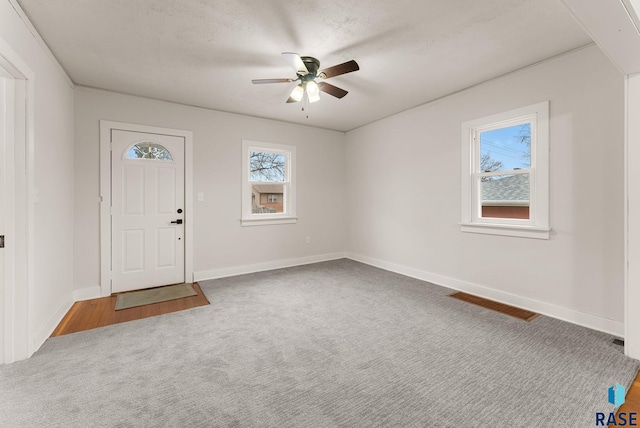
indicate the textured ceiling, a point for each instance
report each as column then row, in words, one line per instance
column 205, row 52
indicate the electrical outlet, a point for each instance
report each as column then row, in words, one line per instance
column 308, row 240
column 200, row 197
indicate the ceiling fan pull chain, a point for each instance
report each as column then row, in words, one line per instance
column 306, row 101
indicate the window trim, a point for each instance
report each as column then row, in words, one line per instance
column 289, row 196
column 537, row 226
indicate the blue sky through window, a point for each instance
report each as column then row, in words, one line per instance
column 510, row 145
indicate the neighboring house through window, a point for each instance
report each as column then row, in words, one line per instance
column 268, row 183
column 505, row 173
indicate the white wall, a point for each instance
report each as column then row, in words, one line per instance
column 403, row 194
column 221, row 245
column 52, row 125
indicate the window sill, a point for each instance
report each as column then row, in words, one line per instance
column 268, row 221
column 506, row 230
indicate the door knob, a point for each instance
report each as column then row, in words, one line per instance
column 178, row 221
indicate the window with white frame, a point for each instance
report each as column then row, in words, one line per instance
column 505, row 173
column 268, row 183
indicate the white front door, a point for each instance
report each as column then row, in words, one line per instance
column 147, row 212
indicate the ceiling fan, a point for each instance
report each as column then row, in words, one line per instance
column 306, row 68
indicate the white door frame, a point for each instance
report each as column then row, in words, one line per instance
column 105, row 196
column 17, row 285
column 632, row 214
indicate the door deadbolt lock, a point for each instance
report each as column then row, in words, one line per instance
column 179, row 210
column 178, row 221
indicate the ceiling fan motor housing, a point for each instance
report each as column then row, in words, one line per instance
column 312, row 65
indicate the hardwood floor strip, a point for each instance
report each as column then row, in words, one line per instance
column 101, row 312
column 495, row 306
column 632, row 400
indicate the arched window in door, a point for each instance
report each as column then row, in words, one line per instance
column 148, row 150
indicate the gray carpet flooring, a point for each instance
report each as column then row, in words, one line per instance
column 335, row 344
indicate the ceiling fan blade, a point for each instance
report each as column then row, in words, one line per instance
column 295, row 61
column 337, row 70
column 332, row 90
column 261, row 81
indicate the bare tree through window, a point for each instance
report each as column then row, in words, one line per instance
column 489, row 164
column 149, row 151
column 267, row 166
column 524, row 137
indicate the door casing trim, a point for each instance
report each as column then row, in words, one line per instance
column 18, row 289
column 105, row 195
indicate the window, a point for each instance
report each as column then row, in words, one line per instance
column 148, row 150
column 268, row 184
column 505, row 173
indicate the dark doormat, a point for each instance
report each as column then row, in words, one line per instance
column 153, row 295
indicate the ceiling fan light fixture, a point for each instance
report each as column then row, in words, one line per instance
column 313, row 98
column 297, row 93
column 313, row 91
column 312, row 88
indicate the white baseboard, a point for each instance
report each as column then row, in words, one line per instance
column 44, row 332
column 593, row 322
column 87, row 293
column 260, row 267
